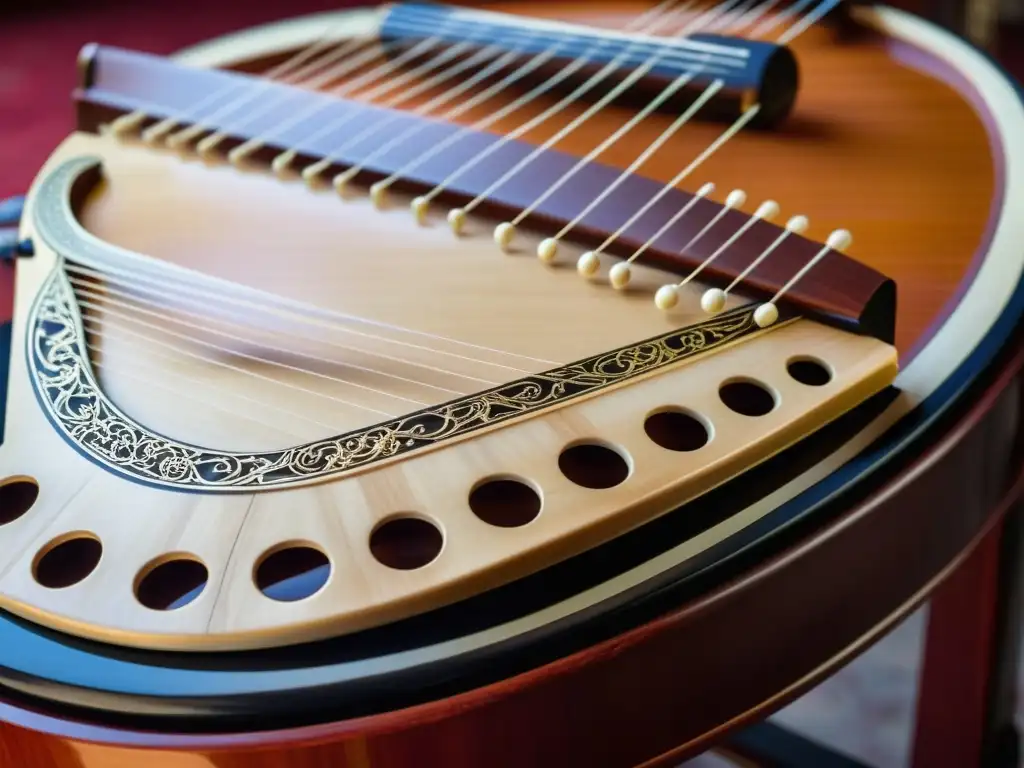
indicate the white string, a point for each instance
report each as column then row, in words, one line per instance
column 419, row 205
column 378, row 188
column 824, row 7
column 308, row 314
column 523, row 128
column 749, row 16
column 703, row 192
column 662, row 97
column 381, row 89
column 423, row 109
column 130, row 121
column 620, row 274
column 600, row 104
column 837, row 241
column 765, row 254
column 83, row 288
column 768, row 210
column 546, row 249
column 181, row 138
column 725, row 20
column 731, row 131
column 254, row 358
column 289, row 71
column 773, row 22
column 314, row 170
column 210, row 143
column 191, row 391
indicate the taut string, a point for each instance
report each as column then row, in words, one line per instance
column 291, row 71
column 547, row 249
column 207, row 146
column 440, row 100
column 379, row 89
column 309, row 314
column 420, row 204
column 310, row 72
column 85, row 287
column 504, row 232
column 192, row 392
column 457, row 217
column 254, row 358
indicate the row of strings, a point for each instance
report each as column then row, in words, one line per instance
column 216, row 326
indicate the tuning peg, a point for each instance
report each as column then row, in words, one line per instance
column 10, row 211
column 12, row 248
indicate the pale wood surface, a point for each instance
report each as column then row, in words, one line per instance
column 230, row 534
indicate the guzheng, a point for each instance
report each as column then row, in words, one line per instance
column 383, row 312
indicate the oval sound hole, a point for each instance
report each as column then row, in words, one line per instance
column 292, row 572
column 809, row 371
column 17, row 496
column 406, row 543
column 505, row 503
column 67, row 561
column 593, row 466
column 171, row 583
column 676, row 430
column 747, row 397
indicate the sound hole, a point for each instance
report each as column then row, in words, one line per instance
column 292, row 572
column 748, row 398
column 594, row 466
column 67, row 560
column 676, row 430
column 171, row 582
column 809, row 371
column 406, row 543
column 505, row 503
column 17, row 495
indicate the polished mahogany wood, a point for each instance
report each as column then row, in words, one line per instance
column 953, row 696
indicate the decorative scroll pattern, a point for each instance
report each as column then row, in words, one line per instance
column 68, row 390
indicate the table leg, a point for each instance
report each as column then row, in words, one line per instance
column 967, row 692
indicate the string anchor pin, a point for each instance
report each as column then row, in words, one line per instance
column 839, row 240
column 340, row 182
column 714, row 299
column 419, row 206
column 503, row 234
column 766, row 314
column 457, row 220
column 126, row 124
column 547, row 249
column 378, row 194
column 619, row 275
column 666, row 297
column 588, row 264
column 282, row 163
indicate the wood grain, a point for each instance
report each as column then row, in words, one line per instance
column 231, row 535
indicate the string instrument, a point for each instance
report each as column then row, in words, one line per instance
column 421, row 384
